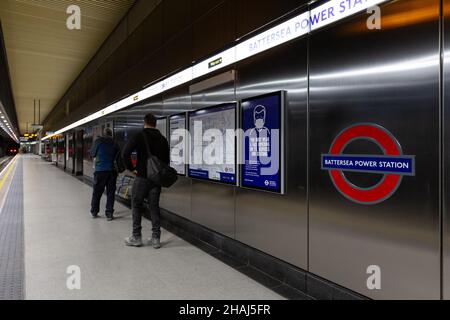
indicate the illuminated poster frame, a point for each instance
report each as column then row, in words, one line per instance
column 184, row 116
column 212, row 109
column 254, row 102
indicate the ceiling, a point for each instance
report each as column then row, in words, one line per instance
column 44, row 56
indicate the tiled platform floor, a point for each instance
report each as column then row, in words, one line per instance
column 60, row 233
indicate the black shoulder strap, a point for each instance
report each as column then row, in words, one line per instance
column 147, row 146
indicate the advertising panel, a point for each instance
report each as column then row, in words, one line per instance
column 262, row 166
column 213, row 144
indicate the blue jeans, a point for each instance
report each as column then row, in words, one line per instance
column 142, row 189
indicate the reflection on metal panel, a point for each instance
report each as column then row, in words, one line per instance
column 213, row 204
column 79, row 152
column 178, row 198
column 70, row 152
column 277, row 224
column 446, row 91
column 390, row 78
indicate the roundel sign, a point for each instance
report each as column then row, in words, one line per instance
column 392, row 164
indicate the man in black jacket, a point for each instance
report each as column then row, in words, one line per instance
column 142, row 187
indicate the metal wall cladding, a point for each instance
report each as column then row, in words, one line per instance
column 61, row 151
column 269, row 222
column 337, row 77
column 79, row 152
column 277, row 224
column 446, row 164
column 213, row 204
column 389, row 77
column 178, row 198
column 70, row 159
column 88, row 161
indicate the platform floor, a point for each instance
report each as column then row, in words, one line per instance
column 58, row 233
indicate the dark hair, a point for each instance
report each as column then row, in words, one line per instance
column 108, row 132
column 150, row 120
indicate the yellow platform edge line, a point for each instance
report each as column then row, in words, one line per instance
column 11, row 167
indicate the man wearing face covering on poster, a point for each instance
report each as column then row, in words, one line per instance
column 259, row 115
column 261, row 133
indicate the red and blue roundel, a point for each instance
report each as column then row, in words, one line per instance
column 393, row 164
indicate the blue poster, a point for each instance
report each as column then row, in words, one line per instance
column 262, row 143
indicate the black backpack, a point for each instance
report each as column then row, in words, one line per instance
column 158, row 172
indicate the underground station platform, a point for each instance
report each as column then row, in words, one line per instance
column 233, row 158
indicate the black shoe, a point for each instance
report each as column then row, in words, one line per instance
column 94, row 216
column 155, row 242
column 133, row 241
column 109, row 218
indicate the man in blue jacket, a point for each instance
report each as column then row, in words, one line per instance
column 105, row 152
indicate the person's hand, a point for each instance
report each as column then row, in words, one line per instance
column 130, row 173
column 135, row 173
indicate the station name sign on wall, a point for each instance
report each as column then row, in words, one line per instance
column 392, row 164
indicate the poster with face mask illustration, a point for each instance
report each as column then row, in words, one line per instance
column 262, row 163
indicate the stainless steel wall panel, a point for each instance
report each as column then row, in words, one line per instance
column 71, row 153
column 177, row 101
column 177, row 199
column 277, row 224
column 446, row 164
column 79, row 152
column 213, row 204
column 389, row 77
